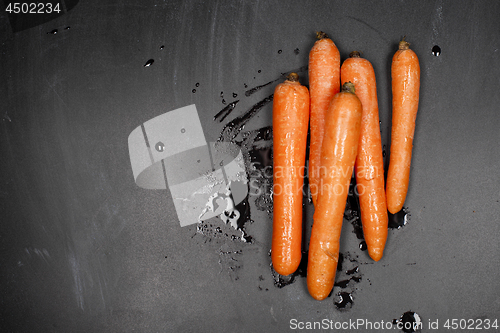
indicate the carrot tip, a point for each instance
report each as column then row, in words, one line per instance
column 321, row 35
column 348, row 87
column 355, row 54
column 375, row 255
column 293, row 77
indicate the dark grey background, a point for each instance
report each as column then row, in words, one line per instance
column 83, row 249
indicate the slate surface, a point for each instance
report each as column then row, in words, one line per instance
column 84, row 249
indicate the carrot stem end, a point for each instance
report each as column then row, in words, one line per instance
column 293, row 77
column 348, row 87
column 321, row 35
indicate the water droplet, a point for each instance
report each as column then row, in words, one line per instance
column 279, row 51
column 67, row 28
column 410, row 322
column 223, row 101
column 436, row 51
column 160, row 146
column 296, row 51
column 342, row 284
column 221, row 94
column 352, row 271
column 235, row 95
column 245, row 85
column 162, row 47
column 197, row 84
column 53, row 32
column 194, row 90
column 259, row 71
column 345, row 299
column 400, row 219
column 363, row 246
column 183, row 130
column 149, row 63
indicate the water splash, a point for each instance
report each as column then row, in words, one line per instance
column 226, row 111
column 344, row 300
column 400, row 219
column 409, row 322
column 234, row 127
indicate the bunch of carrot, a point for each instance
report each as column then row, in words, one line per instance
column 340, row 109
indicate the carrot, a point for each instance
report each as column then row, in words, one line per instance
column 290, row 124
column 324, row 83
column 369, row 167
column 338, row 154
column 405, row 71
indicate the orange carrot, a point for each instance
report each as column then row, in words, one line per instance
column 369, row 168
column 324, row 83
column 338, row 154
column 290, row 124
column 405, row 70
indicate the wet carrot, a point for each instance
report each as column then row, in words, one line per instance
column 290, row 124
column 338, row 155
column 324, row 83
column 369, row 167
column 405, row 71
